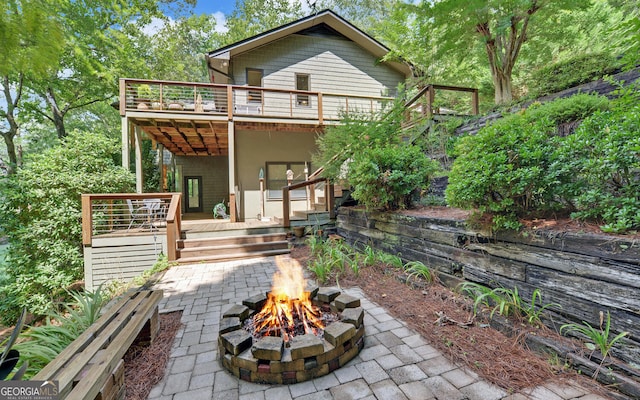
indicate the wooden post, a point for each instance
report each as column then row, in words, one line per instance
column 320, row 114
column 431, row 93
column 87, row 223
column 232, row 207
column 330, row 199
column 123, row 97
column 475, row 103
column 285, row 208
column 230, row 102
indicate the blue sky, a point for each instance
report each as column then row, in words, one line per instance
column 214, row 6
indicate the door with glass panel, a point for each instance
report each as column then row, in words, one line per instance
column 193, row 193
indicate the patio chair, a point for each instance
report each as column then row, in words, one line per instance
column 140, row 213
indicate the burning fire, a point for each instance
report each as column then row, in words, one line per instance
column 288, row 310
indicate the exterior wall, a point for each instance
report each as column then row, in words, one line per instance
column 121, row 258
column 215, row 177
column 335, row 65
column 253, row 150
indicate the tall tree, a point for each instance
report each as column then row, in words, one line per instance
column 251, row 17
column 501, row 27
column 30, row 45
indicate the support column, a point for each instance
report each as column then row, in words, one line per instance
column 138, row 146
column 126, row 129
column 232, row 172
column 161, row 167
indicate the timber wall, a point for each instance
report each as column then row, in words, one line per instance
column 121, row 258
column 584, row 273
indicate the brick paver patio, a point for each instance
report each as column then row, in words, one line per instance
column 396, row 363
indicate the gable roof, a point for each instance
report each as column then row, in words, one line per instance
column 326, row 18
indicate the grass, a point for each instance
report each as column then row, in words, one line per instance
column 600, row 337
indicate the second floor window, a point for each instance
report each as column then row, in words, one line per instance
column 302, row 83
column 254, row 78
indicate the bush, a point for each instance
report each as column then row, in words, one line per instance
column 569, row 73
column 604, row 158
column 507, row 170
column 574, row 108
column 41, row 215
column 388, row 177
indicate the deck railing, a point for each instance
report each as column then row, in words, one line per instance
column 423, row 105
column 128, row 213
column 236, row 100
column 311, row 185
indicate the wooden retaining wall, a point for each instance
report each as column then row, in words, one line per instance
column 121, row 258
column 584, row 273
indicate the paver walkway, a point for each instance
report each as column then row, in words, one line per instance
column 396, row 363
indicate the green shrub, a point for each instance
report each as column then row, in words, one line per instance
column 507, row 169
column 41, row 215
column 569, row 73
column 603, row 156
column 388, row 177
column 568, row 109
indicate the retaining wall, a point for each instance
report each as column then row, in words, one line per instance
column 584, row 273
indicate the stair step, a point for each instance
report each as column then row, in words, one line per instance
column 222, row 250
column 311, row 214
column 230, row 240
column 231, row 256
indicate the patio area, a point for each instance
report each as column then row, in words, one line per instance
column 396, row 362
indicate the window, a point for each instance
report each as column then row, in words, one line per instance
column 254, row 78
column 277, row 179
column 302, row 83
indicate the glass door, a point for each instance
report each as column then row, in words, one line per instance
column 193, row 193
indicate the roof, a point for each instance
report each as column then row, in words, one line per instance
column 324, row 17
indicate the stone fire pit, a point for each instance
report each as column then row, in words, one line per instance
column 269, row 359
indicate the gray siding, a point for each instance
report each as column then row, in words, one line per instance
column 215, row 177
column 121, row 258
column 335, row 66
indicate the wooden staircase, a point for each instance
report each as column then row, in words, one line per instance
column 211, row 247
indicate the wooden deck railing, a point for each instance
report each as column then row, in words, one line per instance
column 286, row 198
column 129, row 213
column 423, row 104
column 236, row 100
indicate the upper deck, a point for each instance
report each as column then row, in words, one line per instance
column 191, row 118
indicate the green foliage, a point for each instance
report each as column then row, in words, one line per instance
column 574, row 108
column 43, row 343
column 507, row 302
column 603, row 157
column 580, row 69
column 517, row 167
column 41, row 215
column 505, row 170
column 10, row 356
column 389, row 177
column 391, row 260
column 418, row 270
column 599, row 337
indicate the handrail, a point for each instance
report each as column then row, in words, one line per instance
column 238, row 100
column 114, row 215
column 286, row 204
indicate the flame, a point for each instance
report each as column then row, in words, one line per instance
column 288, row 305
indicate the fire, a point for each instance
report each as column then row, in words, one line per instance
column 288, row 309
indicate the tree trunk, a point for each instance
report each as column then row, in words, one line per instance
column 57, row 115
column 11, row 151
column 503, row 89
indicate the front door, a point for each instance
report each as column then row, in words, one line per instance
column 193, row 193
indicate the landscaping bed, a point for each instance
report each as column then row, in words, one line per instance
column 445, row 319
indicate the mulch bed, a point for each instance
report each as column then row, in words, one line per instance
column 145, row 365
column 445, row 319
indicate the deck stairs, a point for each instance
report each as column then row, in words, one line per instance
column 227, row 245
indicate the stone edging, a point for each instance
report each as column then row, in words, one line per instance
column 268, row 360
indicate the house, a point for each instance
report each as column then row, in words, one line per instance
column 252, row 130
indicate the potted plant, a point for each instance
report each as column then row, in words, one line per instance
column 174, row 100
column 143, row 97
